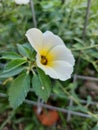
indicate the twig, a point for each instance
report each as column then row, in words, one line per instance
column 83, row 34
column 71, row 101
column 57, row 108
column 53, row 107
column 33, row 13
column 86, row 19
column 86, row 77
column 84, row 48
column 7, row 120
column 39, row 108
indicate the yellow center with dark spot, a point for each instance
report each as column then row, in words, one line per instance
column 44, row 60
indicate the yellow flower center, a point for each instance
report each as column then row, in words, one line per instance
column 44, row 60
column 46, row 57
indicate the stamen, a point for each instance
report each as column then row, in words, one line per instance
column 44, row 60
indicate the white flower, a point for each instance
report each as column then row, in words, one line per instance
column 22, row 1
column 53, row 57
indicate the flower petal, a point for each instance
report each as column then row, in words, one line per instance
column 59, row 60
column 48, row 70
column 60, row 69
column 35, row 37
column 22, row 1
column 63, row 69
column 61, row 52
column 51, row 40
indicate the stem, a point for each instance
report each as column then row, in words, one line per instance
column 33, row 13
column 84, row 48
column 75, row 100
column 60, row 85
column 39, row 107
column 86, row 19
column 7, row 120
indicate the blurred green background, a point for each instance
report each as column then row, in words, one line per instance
column 65, row 18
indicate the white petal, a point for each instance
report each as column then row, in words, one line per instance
column 60, row 70
column 35, row 37
column 22, row 1
column 63, row 70
column 48, row 70
column 51, row 40
column 61, row 52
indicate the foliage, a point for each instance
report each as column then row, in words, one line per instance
column 18, row 76
column 19, row 89
column 41, row 85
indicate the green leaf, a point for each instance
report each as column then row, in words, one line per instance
column 95, row 128
column 23, row 51
column 18, row 90
column 89, row 100
column 30, row 51
column 10, row 55
column 29, row 127
column 11, row 73
column 78, row 108
column 58, row 91
column 79, row 40
column 14, row 64
column 41, row 85
column 95, row 64
column 77, row 45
